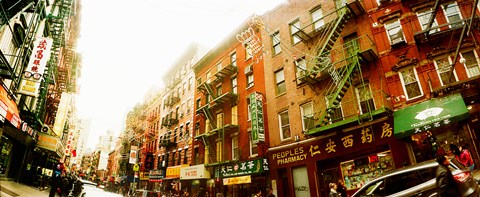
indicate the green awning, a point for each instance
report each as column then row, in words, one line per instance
column 428, row 115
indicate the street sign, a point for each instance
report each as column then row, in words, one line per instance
column 136, row 167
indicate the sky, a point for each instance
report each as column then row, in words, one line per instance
column 127, row 45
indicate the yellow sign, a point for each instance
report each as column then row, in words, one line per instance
column 237, row 180
column 174, row 171
column 136, row 167
column 47, row 142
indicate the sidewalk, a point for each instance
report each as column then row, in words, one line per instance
column 14, row 189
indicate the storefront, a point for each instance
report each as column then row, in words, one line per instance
column 13, row 139
column 156, row 177
column 354, row 156
column 171, row 182
column 434, row 126
column 193, row 177
column 242, row 178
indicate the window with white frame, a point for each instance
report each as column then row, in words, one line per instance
column 394, row 32
column 410, row 83
column 306, row 111
column 294, row 28
column 190, row 83
column 233, row 59
column 219, row 120
column 253, row 146
column 276, row 43
column 284, row 125
column 249, row 80
column 317, row 18
column 444, row 70
column 248, row 52
column 235, row 148
column 280, row 82
column 424, row 18
column 470, row 61
column 452, row 12
column 365, row 98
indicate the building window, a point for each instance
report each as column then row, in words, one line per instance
column 452, row 12
column 219, row 150
column 284, row 124
column 301, row 68
column 219, row 120
column 276, row 43
column 306, row 111
column 184, row 88
column 294, row 28
column 249, row 80
column 234, row 85
column 317, row 18
column 470, row 61
column 424, row 18
column 190, row 83
column 249, row 115
column 185, row 156
column 219, row 90
column 394, row 32
column 280, row 82
column 235, row 115
column 443, row 66
column 410, row 83
column 248, row 52
column 233, row 59
column 235, row 148
column 189, row 105
column 365, row 98
column 253, row 147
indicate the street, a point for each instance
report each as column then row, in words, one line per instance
column 13, row 189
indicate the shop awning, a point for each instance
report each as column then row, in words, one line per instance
column 174, row 171
column 8, row 108
column 194, row 172
column 428, row 115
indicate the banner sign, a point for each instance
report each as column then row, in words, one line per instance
column 32, row 77
column 243, row 168
column 62, row 113
column 133, row 157
column 8, row 108
column 174, row 171
column 156, row 175
column 256, row 112
column 194, row 172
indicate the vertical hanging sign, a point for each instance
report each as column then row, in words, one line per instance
column 256, row 112
column 33, row 74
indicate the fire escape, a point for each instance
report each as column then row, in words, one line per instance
column 437, row 33
column 337, row 67
column 215, row 100
column 61, row 60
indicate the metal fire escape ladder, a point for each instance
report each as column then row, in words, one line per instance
column 328, row 39
column 432, row 18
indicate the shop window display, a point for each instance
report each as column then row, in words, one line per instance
column 359, row 171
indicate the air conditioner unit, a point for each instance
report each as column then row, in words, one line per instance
column 249, row 70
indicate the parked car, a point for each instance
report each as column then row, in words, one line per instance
column 418, row 180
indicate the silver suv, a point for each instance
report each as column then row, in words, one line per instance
column 418, row 180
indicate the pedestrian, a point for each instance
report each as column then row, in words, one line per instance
column 333, row 190
column 258, row 193
column 56, row 181
column 270, row 192
column 341, row 189
column 445, row 182
column 466, row 158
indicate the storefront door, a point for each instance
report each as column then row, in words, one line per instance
column 328, row 176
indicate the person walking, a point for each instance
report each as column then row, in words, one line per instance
column 56, row 182
column 270, row 193
column 341, row 189
column 445, row 181
column 258, row 193
column 333, row 190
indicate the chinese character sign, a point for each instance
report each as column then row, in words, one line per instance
column 32, row 76
column 256, row 110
